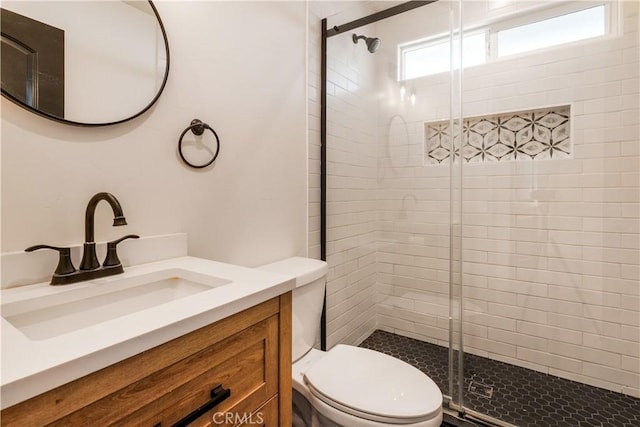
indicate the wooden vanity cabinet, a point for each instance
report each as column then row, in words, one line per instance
column 248, row 353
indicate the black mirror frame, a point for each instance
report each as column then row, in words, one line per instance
column 73, row 123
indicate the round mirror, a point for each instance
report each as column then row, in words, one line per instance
column 83, row 63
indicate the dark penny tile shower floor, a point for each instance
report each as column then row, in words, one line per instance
column 513, row 394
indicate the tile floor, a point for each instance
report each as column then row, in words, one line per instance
column 513, row 394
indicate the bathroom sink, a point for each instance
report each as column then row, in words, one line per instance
column 57, row 334
column 75, row 307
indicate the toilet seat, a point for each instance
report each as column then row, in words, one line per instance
column 373, row 386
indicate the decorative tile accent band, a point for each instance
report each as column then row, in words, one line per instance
column 523, row 135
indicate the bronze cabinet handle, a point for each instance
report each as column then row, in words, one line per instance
column 218, row 395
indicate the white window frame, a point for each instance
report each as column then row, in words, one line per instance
column 520, row 18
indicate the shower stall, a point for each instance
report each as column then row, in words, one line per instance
column 476, row 171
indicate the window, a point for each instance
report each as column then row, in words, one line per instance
column 568, row 28
column 434, row 57
column 526, row 33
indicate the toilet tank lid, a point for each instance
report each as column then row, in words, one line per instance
column 305, row 270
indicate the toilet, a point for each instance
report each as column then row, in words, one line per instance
column 347, row 385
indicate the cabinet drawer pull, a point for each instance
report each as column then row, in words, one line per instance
column 218, row 395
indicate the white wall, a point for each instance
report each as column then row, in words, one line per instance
column 317, row 11
column 351, row 190
column 551, row 247
column 351, row 175
column 238, row 66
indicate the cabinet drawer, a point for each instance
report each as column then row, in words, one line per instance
column 266, row 416
column 246, row 363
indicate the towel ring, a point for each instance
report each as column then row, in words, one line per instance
column 198, row 127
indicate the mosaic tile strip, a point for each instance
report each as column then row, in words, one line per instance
column 524, row 135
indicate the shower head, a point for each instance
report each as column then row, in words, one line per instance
column 373, row 43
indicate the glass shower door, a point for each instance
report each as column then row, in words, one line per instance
column 550, row 219
column 388, row 201
column 483, row 220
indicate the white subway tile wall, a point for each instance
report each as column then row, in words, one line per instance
column 316, row 13
column 351, row 176
column 351, row 191
column 551, row 247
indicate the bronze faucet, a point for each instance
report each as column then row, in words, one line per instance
column 90, row 268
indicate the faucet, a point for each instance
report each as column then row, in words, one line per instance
column 90, row 268
column 89, row 258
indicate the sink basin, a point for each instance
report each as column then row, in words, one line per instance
column 86, row 304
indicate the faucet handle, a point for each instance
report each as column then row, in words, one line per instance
column 65, row 266
column 112, row 260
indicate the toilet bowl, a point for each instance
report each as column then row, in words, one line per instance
column 349, row 386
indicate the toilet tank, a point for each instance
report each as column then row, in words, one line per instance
column 308, row 297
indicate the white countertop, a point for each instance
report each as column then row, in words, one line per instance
column 31, row 367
